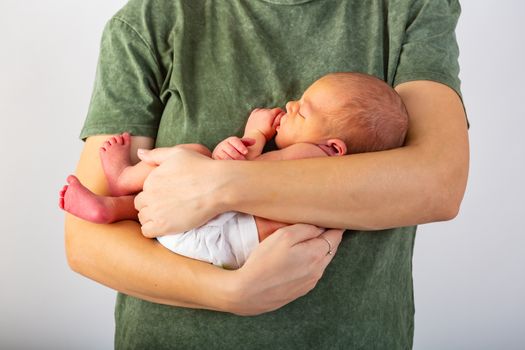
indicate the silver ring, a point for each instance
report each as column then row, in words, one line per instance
column 329, row 245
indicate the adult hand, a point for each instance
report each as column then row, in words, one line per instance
column 285, row 266
column 180, row 194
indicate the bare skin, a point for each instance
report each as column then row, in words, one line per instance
column 135, row 265
column 428, row 174
column 125, row 179
column 118, row 256
column 298, row 136
column 78, row 200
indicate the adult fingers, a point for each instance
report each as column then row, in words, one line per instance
column 322, row 248
column 148, row 229
column 139, row 201
column 332, row 238
column 144, row 215
column 150, row 225
column 299, row 233
column 157, row 155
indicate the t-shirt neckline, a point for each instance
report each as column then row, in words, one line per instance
column 287, row 2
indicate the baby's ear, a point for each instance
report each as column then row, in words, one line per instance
column 337, row 146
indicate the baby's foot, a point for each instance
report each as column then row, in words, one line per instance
column 76, row 199
column 115, row 158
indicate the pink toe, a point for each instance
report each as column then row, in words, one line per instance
column 72, row 179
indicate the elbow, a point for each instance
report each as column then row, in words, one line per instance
column 449, row 210
column 448, row 195
column 71, row 256
column 438, row 204
column 72, row 247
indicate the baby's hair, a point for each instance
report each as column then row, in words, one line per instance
column 373, row 118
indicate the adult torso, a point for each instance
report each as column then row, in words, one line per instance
column 222, row 59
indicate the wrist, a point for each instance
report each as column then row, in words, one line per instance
column 237, row 295
column 227, row 194
column 220, row 289
column 256, row 134
column 230, row 292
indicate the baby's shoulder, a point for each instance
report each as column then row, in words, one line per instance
column 303, row 150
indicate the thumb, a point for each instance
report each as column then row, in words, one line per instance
column 302, row 232
column 247, row 141
column 156, row 156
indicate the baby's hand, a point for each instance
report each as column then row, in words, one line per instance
column 233, row 148
column 264, row 120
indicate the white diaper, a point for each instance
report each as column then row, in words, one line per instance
column 226, row 241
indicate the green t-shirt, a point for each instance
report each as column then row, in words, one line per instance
column 185, row 71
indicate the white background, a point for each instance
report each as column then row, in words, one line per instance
column 469, row 273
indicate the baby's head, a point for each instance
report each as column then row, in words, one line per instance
column 348, row 112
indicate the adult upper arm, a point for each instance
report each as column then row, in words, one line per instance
column 120, row 257
column 90, row 173
column 89, row 168
column 438, row 131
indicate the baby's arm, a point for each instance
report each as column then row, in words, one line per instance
column 260, row 128
column 296, row 151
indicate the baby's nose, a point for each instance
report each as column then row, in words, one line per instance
column 291, row 107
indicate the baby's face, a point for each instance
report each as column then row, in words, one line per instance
column 308, row 120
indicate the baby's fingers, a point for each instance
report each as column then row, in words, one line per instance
column 238, row 145
column 232, row 152
column 277, row 120
column 248, row 141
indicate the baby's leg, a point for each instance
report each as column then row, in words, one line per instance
column 81, row 202
column 266, row 227
column 123, row 177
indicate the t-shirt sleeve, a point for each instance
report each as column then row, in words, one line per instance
column 430, row 50
column 127, row 85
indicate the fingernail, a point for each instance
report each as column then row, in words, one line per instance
column 140, row 151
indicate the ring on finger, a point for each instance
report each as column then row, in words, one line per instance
column 330, row 252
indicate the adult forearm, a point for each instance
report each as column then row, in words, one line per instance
column 278, row 271
column 421, row 182
column 119, row 257
column 365, row 191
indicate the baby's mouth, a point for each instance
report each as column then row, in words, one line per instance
column 279, row 120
